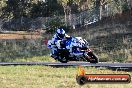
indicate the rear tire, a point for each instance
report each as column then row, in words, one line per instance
column 63, row 56
column 63, row 60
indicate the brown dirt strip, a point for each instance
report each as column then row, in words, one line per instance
column 19, row 36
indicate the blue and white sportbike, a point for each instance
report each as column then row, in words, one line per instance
column 72, row 49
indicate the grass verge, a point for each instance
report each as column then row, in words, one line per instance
column 49, row 77
column 30, row 59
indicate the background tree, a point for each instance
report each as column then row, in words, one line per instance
column 46, row 9
column 66, row 9
column 2, row 5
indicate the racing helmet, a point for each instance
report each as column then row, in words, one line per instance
column 60, row 33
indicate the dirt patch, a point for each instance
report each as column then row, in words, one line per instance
column 20, row 36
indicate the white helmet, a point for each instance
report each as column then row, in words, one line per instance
column 60, row 33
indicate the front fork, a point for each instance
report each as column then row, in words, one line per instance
column 87, row 53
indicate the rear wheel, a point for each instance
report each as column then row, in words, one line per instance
column 63, row 59
column 63, row 56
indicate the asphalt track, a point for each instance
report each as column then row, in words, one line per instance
column 113, row 66
column 101, row 64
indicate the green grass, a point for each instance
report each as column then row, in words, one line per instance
column 30, row 59
column 36, row 59
column 49, row 77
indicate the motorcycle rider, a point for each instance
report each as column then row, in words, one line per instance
column 58, row 36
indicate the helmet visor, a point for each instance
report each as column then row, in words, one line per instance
column 61, row 35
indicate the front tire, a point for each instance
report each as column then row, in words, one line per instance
column 94, row 58
column 94, row 61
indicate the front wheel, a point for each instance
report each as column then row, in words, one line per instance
column 94, row 61
column 93, row 58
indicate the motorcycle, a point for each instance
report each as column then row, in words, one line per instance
column 73, row 49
